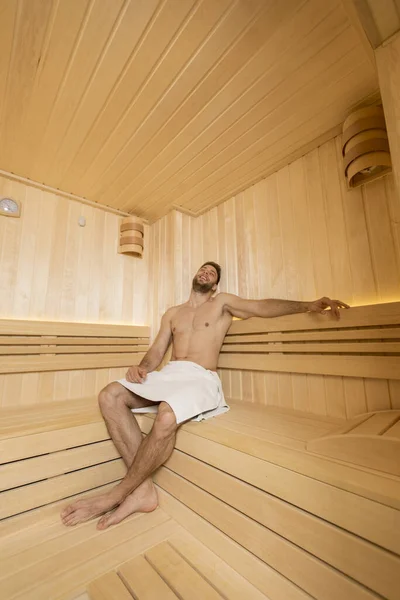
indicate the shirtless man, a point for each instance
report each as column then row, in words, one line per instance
column 196, row 329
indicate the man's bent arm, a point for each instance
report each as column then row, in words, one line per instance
column 156, row 352
column 243, row 308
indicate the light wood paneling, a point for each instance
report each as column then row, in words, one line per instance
column 52, row 269
column 143, row 105
column 388, row 63
column 380, row 19
column 299, row 234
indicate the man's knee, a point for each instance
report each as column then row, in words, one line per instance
column 111, row 396
column 165, row 424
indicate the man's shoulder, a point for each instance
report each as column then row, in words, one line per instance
column 170, row 312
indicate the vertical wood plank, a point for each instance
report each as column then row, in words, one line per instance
column 381, row 241
column 377, row 394
column 355, row 397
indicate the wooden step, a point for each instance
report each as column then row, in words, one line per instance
column 63, row 566
column 361, row 560
column 181, row 567
column 185, row 581
column 249, row 460
column 294, row 562
column 381, row 487
column 265, row 579
column 143, row 581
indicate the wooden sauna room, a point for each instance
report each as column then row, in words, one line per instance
column 140, row 139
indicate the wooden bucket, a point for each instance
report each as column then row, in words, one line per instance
column 131, row 236
column 365, row 146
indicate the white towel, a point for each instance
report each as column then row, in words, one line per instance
column 193, row 392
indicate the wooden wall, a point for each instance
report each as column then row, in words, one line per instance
column 53, row 269
column 388, row 63
column 299, row 234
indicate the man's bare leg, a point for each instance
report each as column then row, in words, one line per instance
column 115, row 403
column 154, row 450
column 152, row 453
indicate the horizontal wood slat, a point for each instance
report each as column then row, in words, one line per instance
column 360, row 316
column 144, row 581
column 11, row 449
column 50, row 349
column 33, row 364
column 377, row 423
column 394, row 431
column 385, row 333
column 19, row 500
column 379, row 367
column 27, row 471
column 21, row 327
column 179, row 575
column 334, row 348
column 108, row 587
column 14, row 340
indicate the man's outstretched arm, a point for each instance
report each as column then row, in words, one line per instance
column 155, row 354
column 243, row 308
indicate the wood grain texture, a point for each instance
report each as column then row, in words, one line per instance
column 53, row 270
column 299, row 234
column 144, row 105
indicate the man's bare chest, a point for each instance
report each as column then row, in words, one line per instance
column 203, row 319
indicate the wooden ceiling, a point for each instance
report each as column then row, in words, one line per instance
column 146, row 105
column 379, row 18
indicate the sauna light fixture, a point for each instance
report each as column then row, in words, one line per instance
column 365, row 146
column 10, row 207
column 131, row 236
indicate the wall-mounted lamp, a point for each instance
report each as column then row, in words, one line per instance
column 365, row 146
column 131, row 236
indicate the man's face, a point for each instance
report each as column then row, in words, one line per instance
column 205, row 279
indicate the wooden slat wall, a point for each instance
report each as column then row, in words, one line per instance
column 388, row 63
column 52, row 269
column 298, row 234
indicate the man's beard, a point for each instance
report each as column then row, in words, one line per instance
column 201, row 287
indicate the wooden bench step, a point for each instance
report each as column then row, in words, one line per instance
column 262, row 576
column 372, row 440
column 143, row 581
column 315, row 490
column 63, row 566
column 315, row 556
column 25, row 498
column 180, row 567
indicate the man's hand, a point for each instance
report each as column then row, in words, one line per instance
column 136, row 374
column 322, row 304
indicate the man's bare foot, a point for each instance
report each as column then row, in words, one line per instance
column 143, row 499
column 84, row 510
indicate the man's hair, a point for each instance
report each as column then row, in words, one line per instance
column 216, row 267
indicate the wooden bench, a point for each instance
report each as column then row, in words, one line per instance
column 37, row 346
column 45, row 361
column 243, row 487
column 246, row 502
column 365, row 342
